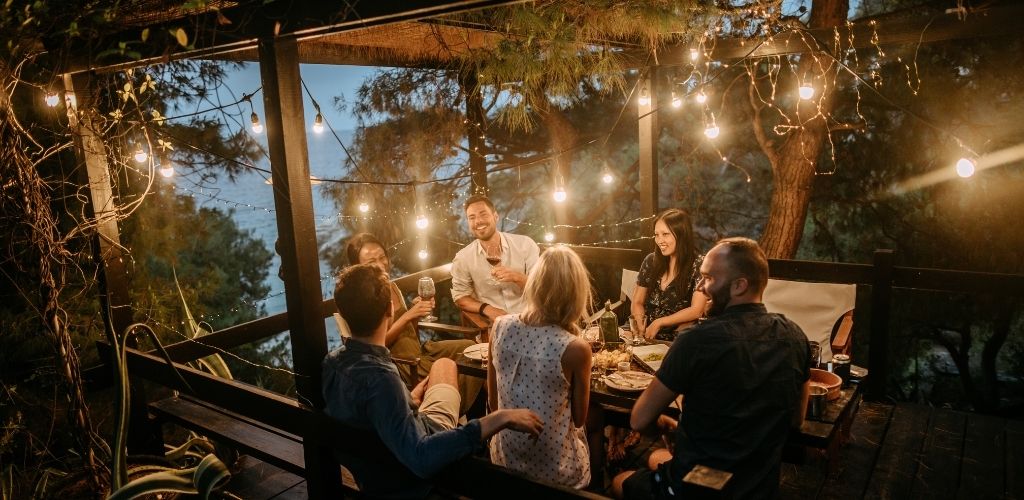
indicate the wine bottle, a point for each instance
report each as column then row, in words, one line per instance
column 609, row 324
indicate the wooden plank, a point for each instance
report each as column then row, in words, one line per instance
column 828, row 272
column 983, row 467
column 859, row 455
column 1014, row 459
column 298, row 492
column 897, row 461
column 958, row 281
column 881, row 302
column 938, row 474
column 257, row 480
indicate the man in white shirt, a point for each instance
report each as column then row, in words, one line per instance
column 481, row 283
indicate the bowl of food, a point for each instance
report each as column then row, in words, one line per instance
column 828, row 380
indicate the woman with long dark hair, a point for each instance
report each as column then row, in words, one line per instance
column 665, row 295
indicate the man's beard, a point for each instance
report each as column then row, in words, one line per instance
column 719, row 301
column 486, row 233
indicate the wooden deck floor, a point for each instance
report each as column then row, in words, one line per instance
column 901, row 451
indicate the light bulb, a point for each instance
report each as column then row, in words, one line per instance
column 318, row 124
column 965, row 167
column 257, row 127
column 140, row 155
column 364, row 207
column 52, row 99
column 712, row 131
column 676, row 101
column 645, row 98
column 694, row 54
column 549, row 237
column 167, row 170
column 423, row 254
column 560, row 194
column 806, row 91
column 701, row 97
column 422, row 222
column 607, row 178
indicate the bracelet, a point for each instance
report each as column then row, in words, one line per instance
column 481, row 310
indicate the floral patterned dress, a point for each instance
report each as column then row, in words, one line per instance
column 674, row 298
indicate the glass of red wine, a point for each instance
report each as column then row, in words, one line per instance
column 493, row 258
column 593, row 337
column 426, row 292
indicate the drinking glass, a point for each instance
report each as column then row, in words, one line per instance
column 815, row 354
column 593, row 337
column 493, row 258
column 426, row 291
column 636, row 328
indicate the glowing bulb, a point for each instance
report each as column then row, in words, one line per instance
column 318, row 124
column 423, row 254
column 607, row 178
column 140, row 155
column 676, row 101
column 52, row 99
column 560, row 194
column 257, row 127
column 965, row 167
column 421, row 222
column 712, row 131
column 701, row 97
column 364, row 207
column 549, row 237
column 806, row 91
column 694, row 54
column 167, row 170
column 645, row 98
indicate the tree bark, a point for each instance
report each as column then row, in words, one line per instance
column 795, row 160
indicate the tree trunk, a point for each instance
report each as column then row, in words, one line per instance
column 563, row 136
column 474, row 122
column 796, row 159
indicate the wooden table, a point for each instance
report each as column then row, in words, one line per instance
column 609, row 406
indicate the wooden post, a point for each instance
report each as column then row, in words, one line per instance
column 881, row 301
column 115, row 302
column 648, row 143
column 475, row 140
column 293, row 200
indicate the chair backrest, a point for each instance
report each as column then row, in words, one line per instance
column 628, row 284
column 815, row 307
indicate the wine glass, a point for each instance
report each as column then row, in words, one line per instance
column 493, row 258
column 593, row 337
column 636, row 328
column 426, row 291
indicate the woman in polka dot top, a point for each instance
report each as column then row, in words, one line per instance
column 539, row 362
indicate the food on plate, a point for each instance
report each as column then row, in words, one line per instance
column 610, row 359
column 654, row 356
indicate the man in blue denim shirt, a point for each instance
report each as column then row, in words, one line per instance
column 363, row 389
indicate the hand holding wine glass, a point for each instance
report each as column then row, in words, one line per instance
column 426, row 291
column 494, row 259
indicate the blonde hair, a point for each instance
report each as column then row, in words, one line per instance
column 557, row 290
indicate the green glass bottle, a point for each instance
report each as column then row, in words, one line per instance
column 609, row 324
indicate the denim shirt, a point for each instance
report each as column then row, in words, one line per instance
column 362, row 388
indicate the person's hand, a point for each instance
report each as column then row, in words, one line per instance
column 525, row 421
column 416, row 394
column 503, row 274
column 491, row 313
column 652, row 329
column 420, row 308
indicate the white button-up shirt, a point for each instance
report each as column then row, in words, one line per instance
column 471, row 272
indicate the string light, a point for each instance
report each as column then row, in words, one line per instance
column 318, row 123
column 364, row 207
column 166, row 168
column 712, row 130
column 676, row 101
column 257, row 127
column 607, row 178
column 806, row 91
column 645, row 97
column 701, row 97
column 965, row 167
column 694, row 54
column 423, row 254
column 52, row 99
column 422, row 222
column 140, row 155
column 584, row 226
column 549, row 237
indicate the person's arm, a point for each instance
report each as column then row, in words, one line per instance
column 576, row 363
column 801, row 407
column 505, row 274
column 517, row 419
column 492, row 379
column 686, row 315
column 419, row 309
column 651, row 403
column 462, row 286
column 636, row 306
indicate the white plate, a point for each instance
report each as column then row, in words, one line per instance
column 476, row 351
column 641, row 352
column 629, row 381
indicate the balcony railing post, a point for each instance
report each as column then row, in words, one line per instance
column 881, row 301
